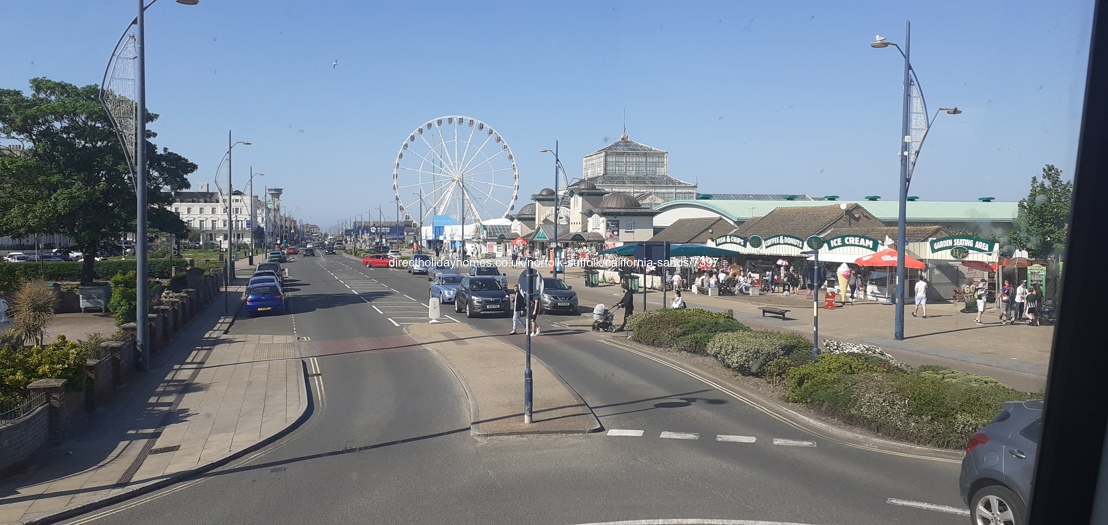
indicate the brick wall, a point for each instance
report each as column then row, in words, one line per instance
column 20, row 439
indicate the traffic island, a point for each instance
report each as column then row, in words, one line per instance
column 491, row 371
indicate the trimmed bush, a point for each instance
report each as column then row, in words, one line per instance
column 62, row 359
column 12, row 274
column 822, row 380
column 686, row 329
column 749, row 352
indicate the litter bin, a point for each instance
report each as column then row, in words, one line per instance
column 633, row 283
column 592, row 278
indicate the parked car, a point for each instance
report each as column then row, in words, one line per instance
column 5, row 319
column 276, row 257
column 487, row 270
column 441, row 266
column 309, row 252
column 445, row 286
column 265, row 298
column 264, row 278
column 274, row 267
column 999, row 464
column 15, row 257
column 557, row 296
column 377, row 261
column 482, row 295
column 395, row 254
column 270, row 273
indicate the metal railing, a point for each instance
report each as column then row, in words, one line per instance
column 10, row 412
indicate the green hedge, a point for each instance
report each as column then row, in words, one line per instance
column 685, row 329
column 932, row 406
column 749, row 352
column 12, row 273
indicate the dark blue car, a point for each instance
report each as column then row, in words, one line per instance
column 265, row 298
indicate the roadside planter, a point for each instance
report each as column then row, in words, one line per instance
column 95, row 296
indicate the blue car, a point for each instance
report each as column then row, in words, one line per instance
column 445, row 286
column 265, row 298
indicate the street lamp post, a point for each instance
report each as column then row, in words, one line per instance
column 253, row 218
column 419, row 229
column 554, row 242
column 230, row 225
column 142, row 299
column 908, row 157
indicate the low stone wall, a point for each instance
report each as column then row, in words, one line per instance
column 63, row 410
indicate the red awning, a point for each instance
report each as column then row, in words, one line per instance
column 887, row 258
column 979, row 265
column 518, row 241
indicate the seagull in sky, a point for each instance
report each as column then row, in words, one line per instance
column 335, row 64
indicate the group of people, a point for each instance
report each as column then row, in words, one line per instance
column 1018, row 304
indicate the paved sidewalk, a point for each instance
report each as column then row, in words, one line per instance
column 211, row 399
column 492, row 372
column 1017, row 355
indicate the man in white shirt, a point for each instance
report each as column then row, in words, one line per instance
column 1021, row 298
column 921, row 297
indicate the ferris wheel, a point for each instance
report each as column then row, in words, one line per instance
column 455, row 166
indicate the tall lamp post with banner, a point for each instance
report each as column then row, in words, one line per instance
column 250, row 224
column 554, row 242
column 123, row 95
column 913, row 130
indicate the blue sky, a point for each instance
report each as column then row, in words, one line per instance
column 759, row 97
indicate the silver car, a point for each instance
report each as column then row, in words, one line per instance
column 1000, row 464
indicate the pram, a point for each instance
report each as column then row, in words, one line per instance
column 602, row 319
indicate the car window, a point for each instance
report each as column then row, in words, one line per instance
column 451, row 279
column 550, row 283
column 263, row 290
column 1033, row 431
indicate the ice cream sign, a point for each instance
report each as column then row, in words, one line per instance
column 852, row 241
column 963, row 242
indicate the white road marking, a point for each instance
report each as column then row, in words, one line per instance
column 409, row 297
column 394, row 323
column 928, row 506
column 736, row 439
column 451, row 318
column 793, row 443
column 693, row 521
column 679, row 435
column 625, row 433
column 378, row 310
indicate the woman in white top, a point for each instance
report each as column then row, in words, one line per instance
column 678, row 302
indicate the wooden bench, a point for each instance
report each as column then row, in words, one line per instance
column 774, row 310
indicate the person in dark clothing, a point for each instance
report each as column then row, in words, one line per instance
column 628, row 305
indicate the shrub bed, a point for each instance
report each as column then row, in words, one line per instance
column 750, row 352
column 932, row 406
column 12, row 274
column 61, row 359
column 685, row 329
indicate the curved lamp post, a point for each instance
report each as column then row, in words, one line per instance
column 909, row 152
column 554, row 241
column 253, row 218
column 230, row 225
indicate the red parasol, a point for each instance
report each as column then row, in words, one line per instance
column 979, row 265
column 518, row 241
column 886, row 258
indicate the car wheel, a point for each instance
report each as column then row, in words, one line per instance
column 469, row 309
column 457, row 306
column 997, row 504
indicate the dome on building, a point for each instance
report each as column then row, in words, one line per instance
column 584, row 185
column 619, row 200
column 527, row 210
column 546, row 192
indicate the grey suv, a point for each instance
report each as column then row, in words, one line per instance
column 1000, row 463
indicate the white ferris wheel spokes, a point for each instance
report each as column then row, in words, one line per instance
column 456, row 166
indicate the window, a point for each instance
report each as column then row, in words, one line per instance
column 200, row 224
column 628, row 226
column 188, row 210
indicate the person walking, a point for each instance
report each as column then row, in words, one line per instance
column 519, row 310
column 1034, row 297
column 981, row 295
column 1006, row 302
column 628, row 305
column 921, row 297
column 1021, row 300
column 536, row 308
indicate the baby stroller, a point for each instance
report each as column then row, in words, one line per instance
column 602, row 319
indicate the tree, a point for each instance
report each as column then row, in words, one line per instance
column 1044, row 215
column 72, row 176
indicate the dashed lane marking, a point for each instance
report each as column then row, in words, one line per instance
column 378, row 309
column 928, row 506
column 625, row 433
column 793, row 443
column 680, row 435
column 736, row 439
